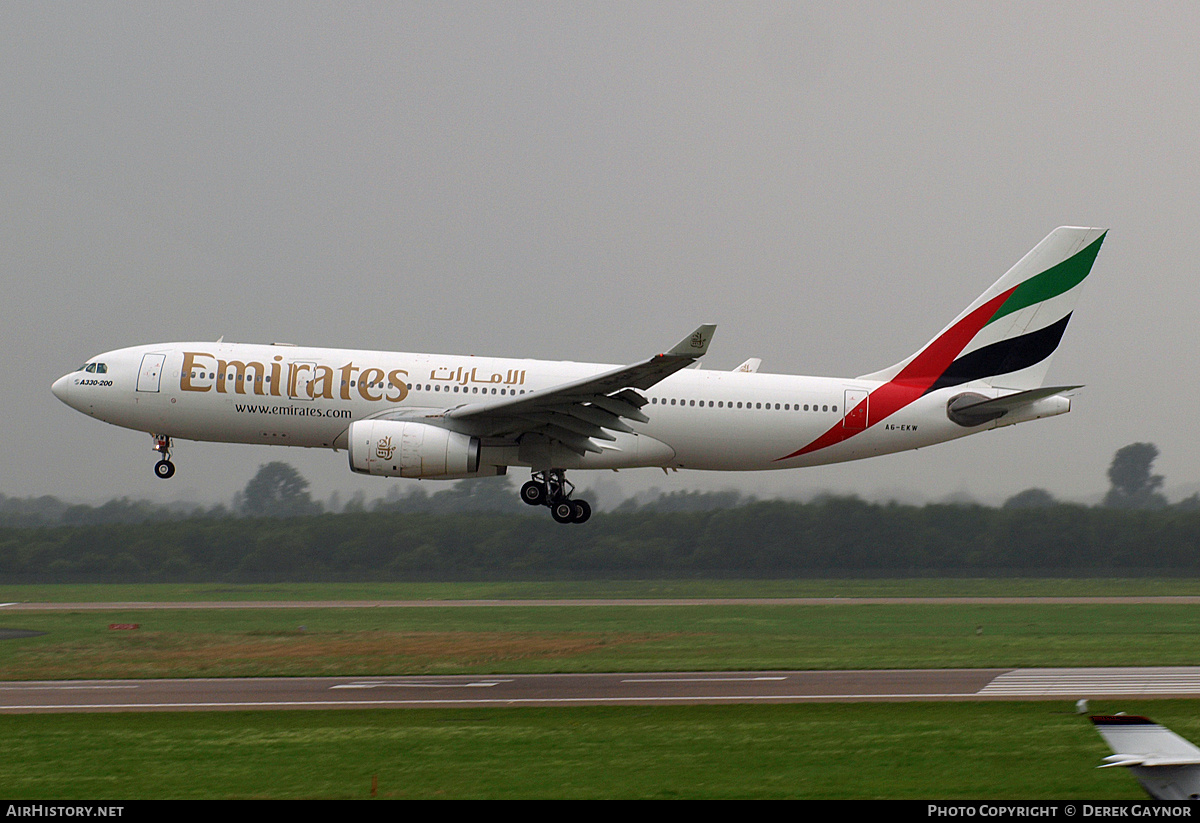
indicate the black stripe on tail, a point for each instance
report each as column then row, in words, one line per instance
column 1004, row 356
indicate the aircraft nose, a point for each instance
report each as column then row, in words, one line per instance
column 61, row 387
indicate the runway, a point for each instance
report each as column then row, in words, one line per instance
column 631, row 689
column 142, row 605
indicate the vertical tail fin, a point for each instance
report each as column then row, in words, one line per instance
column 1008, row 335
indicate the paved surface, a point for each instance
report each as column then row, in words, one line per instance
column 678, row 601
column 686, row 688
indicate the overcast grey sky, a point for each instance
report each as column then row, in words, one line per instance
column 829, row 182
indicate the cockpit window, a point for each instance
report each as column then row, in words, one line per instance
column 101, row 368
column 91, row 368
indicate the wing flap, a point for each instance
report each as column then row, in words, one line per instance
column 595, row 415
column 570, row 423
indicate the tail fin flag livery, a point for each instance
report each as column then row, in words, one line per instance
column 1013, row 328
column 1004, row 339
column 1164, row 763
column 446, row 417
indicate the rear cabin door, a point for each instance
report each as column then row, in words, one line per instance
column 856, row 409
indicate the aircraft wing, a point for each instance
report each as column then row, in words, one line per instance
column 578, row 413
column 1167, row 765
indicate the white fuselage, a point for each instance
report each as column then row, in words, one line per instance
column 299, row 396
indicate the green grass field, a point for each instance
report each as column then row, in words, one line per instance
column 1019, row 750
column 447, row 640
column 976, row 751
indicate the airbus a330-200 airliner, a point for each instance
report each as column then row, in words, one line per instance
column 453, row 416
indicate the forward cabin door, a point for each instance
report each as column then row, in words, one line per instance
column 150, row 375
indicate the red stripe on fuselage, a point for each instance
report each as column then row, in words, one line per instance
column 915, row 378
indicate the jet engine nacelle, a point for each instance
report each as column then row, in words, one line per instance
column 394, row 448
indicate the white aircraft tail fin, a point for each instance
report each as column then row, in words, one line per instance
column 1007, row 336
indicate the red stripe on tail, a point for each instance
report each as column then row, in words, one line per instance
column 915, row 378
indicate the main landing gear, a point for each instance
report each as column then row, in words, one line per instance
column 163, row 468
column 551, row 488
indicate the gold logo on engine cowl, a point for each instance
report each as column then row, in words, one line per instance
column 384, row 449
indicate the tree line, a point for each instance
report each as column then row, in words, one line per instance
column 481, row 531
column 833, row 536
column 278, row 490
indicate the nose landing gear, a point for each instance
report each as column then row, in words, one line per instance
column 551, row 488
column 163, row 468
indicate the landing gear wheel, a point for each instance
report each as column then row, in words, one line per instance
column 581, row 511
column 552, row 489
column 534, row 493
column 164, row 468
column 563, row 511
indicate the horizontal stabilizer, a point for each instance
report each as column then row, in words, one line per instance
column 1022, row 398
column 971, row 409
